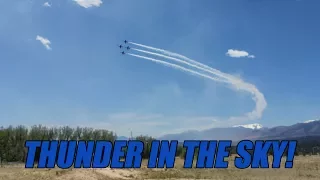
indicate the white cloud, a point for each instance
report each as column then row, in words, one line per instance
column 44, row 41
column 313, row 120
column 239, row 53
column 46, row 4
column 89, row 3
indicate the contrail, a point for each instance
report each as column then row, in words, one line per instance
column 238, row 83
column 175, row 59
column 177, row 67
column 217, row 72
column 171, row 54
column 148, row 47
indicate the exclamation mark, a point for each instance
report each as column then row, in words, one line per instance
column 291, row 150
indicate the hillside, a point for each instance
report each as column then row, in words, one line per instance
column 310, row 128
column 233, row 133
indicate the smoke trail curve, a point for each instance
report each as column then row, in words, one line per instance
column 238, row 83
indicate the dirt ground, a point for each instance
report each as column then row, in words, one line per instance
column 305, row 167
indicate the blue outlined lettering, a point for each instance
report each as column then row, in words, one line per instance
column 134, row 154
column 259, row 156
column 48, row 154
column 206, row 154
column 84, row 154
column 290, row 155
column 211, row 154
column 245, row 159
column 190, row 146
column 222, row 153
column 128, row 154
column 278, row 152
column 163, row 153
column 66, row 154
column 167, row 154
column 31, row 154
column 154, row 153
column 102, row 154
column 118, row 153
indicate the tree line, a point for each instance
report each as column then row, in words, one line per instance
column 12, row 140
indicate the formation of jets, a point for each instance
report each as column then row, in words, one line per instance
column 120, row 46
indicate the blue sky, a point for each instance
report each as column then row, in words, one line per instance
column 84, row 80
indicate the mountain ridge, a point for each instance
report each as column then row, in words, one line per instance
column 251, row 132
column 248, row 131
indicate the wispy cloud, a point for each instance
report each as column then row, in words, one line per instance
column 44, row 41
column 88, row 3
column 156, row 124
column 238, row 53
column 46, row 4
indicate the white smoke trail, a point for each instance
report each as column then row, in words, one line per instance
column 177, row 67
column 174, row 59
column 238, row 83
column 217, row 72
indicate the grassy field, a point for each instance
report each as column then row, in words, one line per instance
column 305, row 167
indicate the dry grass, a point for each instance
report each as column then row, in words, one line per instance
column 305, row 167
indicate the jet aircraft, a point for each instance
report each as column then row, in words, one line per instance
column 122, row 52
column 125, row 41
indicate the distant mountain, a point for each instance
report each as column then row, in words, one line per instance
column 228, row 133
column 122, row 138
column 308, row 128
column 250, row 131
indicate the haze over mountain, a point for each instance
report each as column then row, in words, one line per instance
column 122, row 138
column 250, row 131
